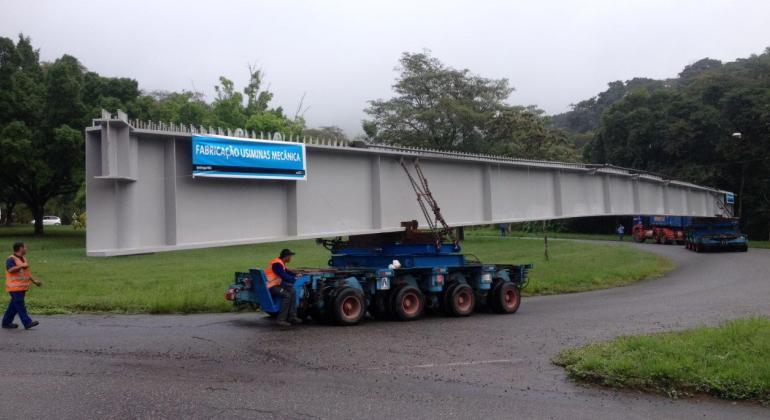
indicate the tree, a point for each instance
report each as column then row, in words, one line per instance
column 42, row 152
column 258, row 100
column 326, row 132
column 267, row 122
column 108, row 92
column 228, row 105
column 437, row 106
column 684, row 130
column 523, row 132
column 176, row 107
column 38, row 165
column 585, row 116
column 440, row 107
column 692, row 71
column 9, row 200
column 370, row 129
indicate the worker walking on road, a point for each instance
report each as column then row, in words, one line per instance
column 280, row 283
column 17, row 280
column 621, row 230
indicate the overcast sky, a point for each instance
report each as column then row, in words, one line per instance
column 343, row 53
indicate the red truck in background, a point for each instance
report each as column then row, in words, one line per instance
column 661, row 229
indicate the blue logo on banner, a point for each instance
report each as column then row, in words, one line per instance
column 730, row 198
column 228, row 157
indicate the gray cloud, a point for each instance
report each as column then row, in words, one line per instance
column 342, row 53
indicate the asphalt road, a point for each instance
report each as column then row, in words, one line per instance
column 484, row 366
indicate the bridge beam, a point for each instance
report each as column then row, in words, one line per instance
column 141, row 196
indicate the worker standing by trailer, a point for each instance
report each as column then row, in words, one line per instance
column 17, row 280
column 280, row 281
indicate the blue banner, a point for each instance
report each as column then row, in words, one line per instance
column 228, row 157
column 729, row 198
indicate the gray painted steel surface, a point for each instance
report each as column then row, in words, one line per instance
column 141, row 196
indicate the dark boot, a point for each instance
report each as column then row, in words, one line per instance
column 283, row 314
column 293, row 318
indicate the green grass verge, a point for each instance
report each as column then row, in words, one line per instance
column 487, row 231
column 195, row 280
column 729, row 361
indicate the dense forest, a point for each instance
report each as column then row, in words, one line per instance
column 710, row 125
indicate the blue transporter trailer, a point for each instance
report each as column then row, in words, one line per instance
column 391, row 276
column 715, row 234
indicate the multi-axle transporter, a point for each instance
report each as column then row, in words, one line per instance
column 391, row 276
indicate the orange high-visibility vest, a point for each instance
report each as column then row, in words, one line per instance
column 17, row 281
column 272, row 278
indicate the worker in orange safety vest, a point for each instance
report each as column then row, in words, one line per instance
column 17, row 281
column 280, row 283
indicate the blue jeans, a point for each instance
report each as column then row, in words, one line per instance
column 16, row 306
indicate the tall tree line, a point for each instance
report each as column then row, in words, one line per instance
column 710, row 125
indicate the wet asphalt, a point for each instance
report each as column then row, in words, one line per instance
column 483, row 366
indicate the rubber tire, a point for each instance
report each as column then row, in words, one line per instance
column 498, row 300
column 397, row 306
column 697, row 248
column 349, row 306
column 451, row 303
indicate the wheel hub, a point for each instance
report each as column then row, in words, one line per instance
column 409, row 304
column 510, row 298
column 351, row 307
column 463, row 301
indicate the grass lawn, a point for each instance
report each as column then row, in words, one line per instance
column 729, row 361
column 195, row 280
column 487, row 231
column 573, row 266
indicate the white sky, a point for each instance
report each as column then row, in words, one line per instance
column 343, row 53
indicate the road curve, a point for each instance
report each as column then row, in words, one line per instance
column 484, row 366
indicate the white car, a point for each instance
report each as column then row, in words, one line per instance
column 50, row 221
